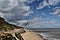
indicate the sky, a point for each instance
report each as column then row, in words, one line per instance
column 31, row 13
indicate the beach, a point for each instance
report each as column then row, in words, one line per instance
column 41, row 35
column 31, row 36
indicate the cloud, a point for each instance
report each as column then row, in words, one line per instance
column 1, row 14
column 23, row 0
column 29, row 1
column 50, row 2
column 39, row 22
column 8, row 4
column 56, row 11
column 22, row 23
column 42, row 5
column 12, row 10
column 53, row 2
column 28, row 13
column 16, row 9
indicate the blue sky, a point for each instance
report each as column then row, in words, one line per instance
column 37, row 13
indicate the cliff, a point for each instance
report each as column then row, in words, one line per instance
column 13, row 32
column 9, row 31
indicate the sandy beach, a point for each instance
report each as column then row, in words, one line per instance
column 31, row 36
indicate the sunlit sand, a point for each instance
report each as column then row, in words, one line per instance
column 31, row 36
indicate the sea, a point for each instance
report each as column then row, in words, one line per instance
column 48, row 33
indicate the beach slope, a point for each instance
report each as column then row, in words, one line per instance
column 31, row 36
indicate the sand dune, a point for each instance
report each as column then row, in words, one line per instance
column 31, row 36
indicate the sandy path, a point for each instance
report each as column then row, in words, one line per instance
column 31, row 36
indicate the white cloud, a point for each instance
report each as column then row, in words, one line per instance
column 53, row 2
column 1, row 15
column 27, row 8
column 14, row 11
column 8, row 4
column 21, row 22
column 39, row 22
column 30, row 1
column 23, row 0
column 28, row 13
column 42, row 5
column 45, row 3
column 15, row 8
column 56, row 11
column 18, row 9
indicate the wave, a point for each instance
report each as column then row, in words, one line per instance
column 50, row 36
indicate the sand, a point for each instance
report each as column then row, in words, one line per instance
column 31, row 36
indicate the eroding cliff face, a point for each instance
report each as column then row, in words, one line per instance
column 7, row 36
column 9, row 31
